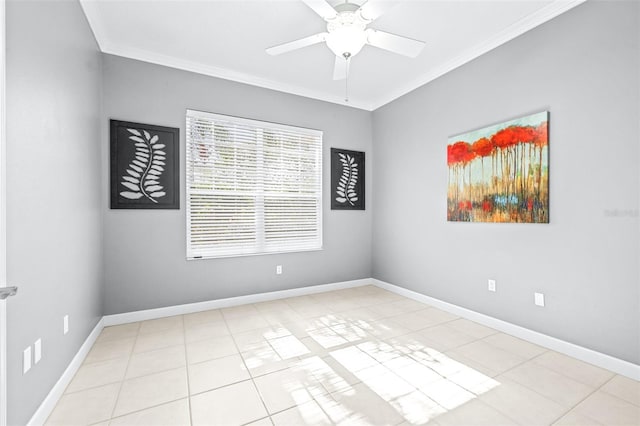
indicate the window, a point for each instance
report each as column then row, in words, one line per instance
column 252, row 187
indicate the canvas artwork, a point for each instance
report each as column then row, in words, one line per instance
column 144, row 166
column 500, row 173
column 347, row 179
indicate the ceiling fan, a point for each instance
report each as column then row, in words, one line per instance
column 347, row 33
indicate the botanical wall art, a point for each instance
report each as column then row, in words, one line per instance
column 347, row 179
column 500, row 173
column 144, row 166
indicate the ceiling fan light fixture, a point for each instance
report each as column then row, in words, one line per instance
column 346, row 41
column 346, row 33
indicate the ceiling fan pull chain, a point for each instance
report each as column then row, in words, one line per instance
column 347, row 58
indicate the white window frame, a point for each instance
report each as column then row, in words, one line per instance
column 195, row 254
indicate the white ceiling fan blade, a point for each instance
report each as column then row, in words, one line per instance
column 373, row 9
column 297, row 44
column 340, row 69
column 394, row 43
column 322, row 8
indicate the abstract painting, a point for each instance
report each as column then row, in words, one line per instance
column 347, row 179
column 500, row 173
column 144, row 166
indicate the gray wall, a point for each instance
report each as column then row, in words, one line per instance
column 145, row 250
column 583, row 67
column 54, row 199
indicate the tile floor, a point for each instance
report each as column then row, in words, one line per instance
column 355, row 356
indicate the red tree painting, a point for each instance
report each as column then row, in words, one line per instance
column 500, row 173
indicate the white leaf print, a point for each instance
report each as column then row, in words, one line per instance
column 130, row 185
column 345, row 189
column 146, row 166
column 131, row 195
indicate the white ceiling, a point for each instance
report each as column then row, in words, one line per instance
column 227, row 39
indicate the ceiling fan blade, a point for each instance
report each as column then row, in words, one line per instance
column 373, row 9
column 394, row 43
column 340, row 69
column 297, row 44
column 322, row 8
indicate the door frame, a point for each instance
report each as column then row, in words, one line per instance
column 3, row 219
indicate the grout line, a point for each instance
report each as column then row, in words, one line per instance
column 186, row 362
column 598, row 389
column 248, row 371
column 327, row 353
column 616, row 396
column 135, row 340
column 575, row 405
column 134, row 377
column 93, row 386
column 143, row 409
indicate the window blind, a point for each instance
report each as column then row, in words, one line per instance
column 252, row 187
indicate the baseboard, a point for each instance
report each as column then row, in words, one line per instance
column 189, row 308
column 599, row 359
column 616, row 365
column 49, row 403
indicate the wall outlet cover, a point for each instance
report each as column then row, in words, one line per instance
column 279, row 269
column 538, row 299
column 37, row 351
column 491, row 285
column 26, row 360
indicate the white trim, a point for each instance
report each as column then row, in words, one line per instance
column 616, row 365
column 49, row 403
column 94, row 24
column 3, row 217
column 605, row 361
column 518, row 28
column 229, row 74
column 189, row 308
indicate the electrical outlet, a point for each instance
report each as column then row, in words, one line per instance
column 538, row 299
column 279, row 269
column 491, row 285
column 26, row 360
column 37, row 351
column 65, row 324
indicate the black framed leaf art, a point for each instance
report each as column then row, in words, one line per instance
column 347, row 179
column 144, row 166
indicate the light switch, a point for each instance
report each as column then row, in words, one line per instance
column 539, row 299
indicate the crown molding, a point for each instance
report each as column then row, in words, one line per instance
column 518, row 28
column 228, row 74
